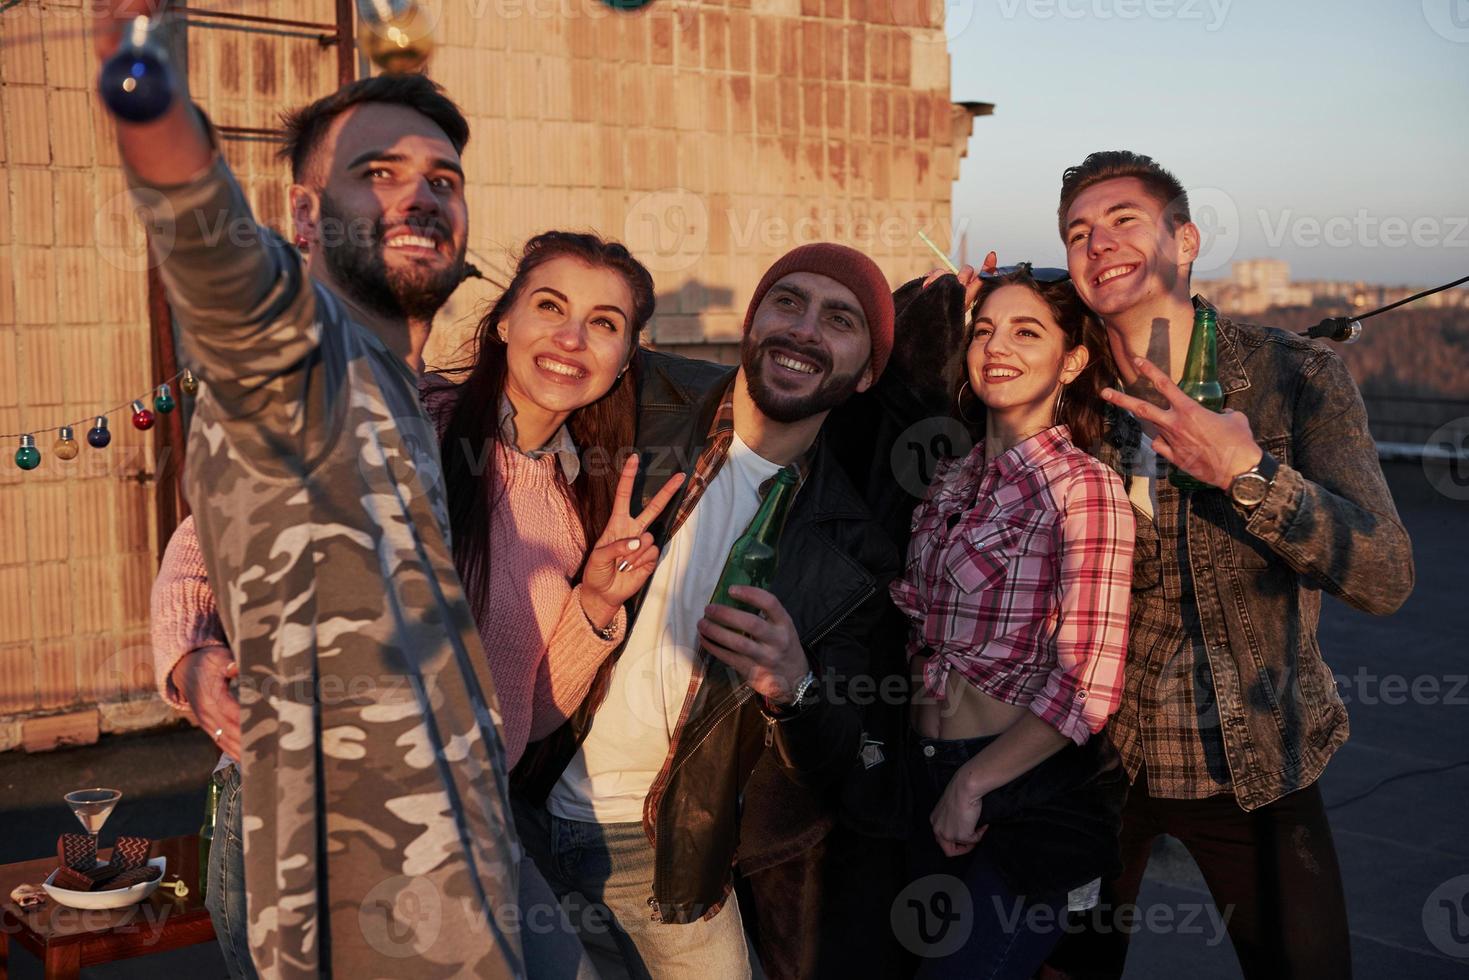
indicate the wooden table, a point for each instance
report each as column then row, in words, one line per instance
column 67, row 939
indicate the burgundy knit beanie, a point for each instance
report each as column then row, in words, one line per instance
column 850, row 268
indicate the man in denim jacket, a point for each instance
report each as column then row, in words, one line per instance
column 1229, row 713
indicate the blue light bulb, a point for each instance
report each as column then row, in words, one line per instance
column 100, row 435
column 137, row 83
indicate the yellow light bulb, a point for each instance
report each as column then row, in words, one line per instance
column 66, row 445
column 397, row 35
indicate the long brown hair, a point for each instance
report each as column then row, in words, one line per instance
column 1083, row 410
column 602, row 431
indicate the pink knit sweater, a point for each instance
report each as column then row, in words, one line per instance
column 542, row 652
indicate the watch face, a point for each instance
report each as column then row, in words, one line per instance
column 1248, row 489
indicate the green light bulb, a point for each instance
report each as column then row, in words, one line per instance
column 27, row 457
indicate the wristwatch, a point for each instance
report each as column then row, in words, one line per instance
column 805, row 697
column 1250, row 487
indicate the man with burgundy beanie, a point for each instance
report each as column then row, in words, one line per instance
column 717, row 736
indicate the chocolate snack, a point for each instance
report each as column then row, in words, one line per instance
column 135, row 876
column 104, row 873
column 131, row 852
column 72, row 879
column 77, row 851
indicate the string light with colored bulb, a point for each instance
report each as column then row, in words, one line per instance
column 137, row 83
column 397, row 35
column 28, row 455
column 142, row 418
column 66, row 444
column 99, row 435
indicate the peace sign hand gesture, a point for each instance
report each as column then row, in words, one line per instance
column 1213, row 448
column 624, row 555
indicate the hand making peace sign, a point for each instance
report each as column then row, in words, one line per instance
column 1212, row 448
column 624, row 555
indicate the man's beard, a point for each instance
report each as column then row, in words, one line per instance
column 359, row 267
column 784, row 408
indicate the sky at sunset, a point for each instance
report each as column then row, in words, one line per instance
column 1334, row 135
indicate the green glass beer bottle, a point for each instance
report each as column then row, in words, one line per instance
column 752, row 558
column 206, row 834
column 1201, row 381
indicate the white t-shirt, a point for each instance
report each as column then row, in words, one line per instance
column 609, row 777
column 1146, row 471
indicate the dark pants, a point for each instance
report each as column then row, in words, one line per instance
column 968, row 922
column 1272, row 872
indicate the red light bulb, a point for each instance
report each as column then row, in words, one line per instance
column 142, row 418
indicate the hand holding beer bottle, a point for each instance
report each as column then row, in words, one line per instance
column 1207, row 446
column 744, row 625
column 1200, row 381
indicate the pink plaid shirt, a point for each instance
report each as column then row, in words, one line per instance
column 1019, row 574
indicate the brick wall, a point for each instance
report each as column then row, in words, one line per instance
column 78, row 539
column 710, row 137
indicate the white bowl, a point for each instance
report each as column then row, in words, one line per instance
column 115, row 898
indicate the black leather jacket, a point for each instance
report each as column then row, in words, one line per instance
column 834, row 567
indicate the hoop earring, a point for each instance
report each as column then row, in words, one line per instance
column 959, row 402
column 1060, row 401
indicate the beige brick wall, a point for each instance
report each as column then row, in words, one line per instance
column 75, row 538
column 78, row 539
column 710, row 137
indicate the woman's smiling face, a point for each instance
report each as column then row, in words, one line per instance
column 1017, row 354
column 567, row 335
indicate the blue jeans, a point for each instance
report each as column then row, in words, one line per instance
column 550, row 944
column 971, row 925
column 611, row 865
column 225, row 896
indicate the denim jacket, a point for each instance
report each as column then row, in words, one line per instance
column 1327, row 524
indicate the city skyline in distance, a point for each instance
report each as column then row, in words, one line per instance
column 1255, row 285
column 1328, row 135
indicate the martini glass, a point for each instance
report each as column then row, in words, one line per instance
column 93, row 807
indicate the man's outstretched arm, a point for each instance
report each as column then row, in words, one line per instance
column 240, row 294
column 168, row 150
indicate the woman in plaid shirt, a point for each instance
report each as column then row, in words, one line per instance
column 1017, row 586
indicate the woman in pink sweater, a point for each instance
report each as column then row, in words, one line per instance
column 528, row 438
column 529, row 434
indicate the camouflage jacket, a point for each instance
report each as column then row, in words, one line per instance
column 377, row 833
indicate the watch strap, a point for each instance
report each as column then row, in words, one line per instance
column 1268, row 466
column 1265, row 470
column 803, row 699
